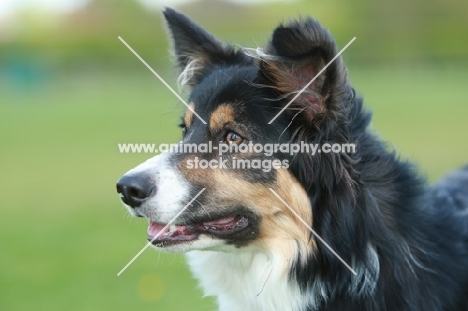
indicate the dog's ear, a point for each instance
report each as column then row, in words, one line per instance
column 295, row 54
column 197, row 51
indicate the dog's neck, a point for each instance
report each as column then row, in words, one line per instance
column 249, row 281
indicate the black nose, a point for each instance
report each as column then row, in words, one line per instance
column 135, row 189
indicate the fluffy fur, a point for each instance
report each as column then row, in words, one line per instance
column 408, row 242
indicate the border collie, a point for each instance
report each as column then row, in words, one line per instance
column 252, row 236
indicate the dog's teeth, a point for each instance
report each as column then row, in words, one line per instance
column 172, row 228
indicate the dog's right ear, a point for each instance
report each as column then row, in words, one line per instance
column 197, row 51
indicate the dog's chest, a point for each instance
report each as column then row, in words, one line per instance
column 248, row 282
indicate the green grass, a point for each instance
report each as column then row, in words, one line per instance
column 64, row 235
column 420, row 112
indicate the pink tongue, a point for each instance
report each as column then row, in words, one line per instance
column 154, row 228
column 222, row 221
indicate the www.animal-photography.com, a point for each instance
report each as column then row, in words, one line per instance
column 234, row 155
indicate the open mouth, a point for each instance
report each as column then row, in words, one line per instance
column 164, row 235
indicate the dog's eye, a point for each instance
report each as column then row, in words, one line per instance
column 183, row 128
column 234, row 138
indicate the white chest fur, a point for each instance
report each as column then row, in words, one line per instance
column 248, row 281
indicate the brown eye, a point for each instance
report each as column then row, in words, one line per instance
column 234, row 138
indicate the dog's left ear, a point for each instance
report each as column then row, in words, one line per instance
column 197, row 51
column 295, row 55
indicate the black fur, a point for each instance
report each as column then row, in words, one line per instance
column 372, row 197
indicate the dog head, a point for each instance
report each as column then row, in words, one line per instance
column 239, row 97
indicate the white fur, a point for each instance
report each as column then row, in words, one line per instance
column 252, row 280
column 248, row 280
column 189, row 71
column 365, row 282
column 172, row 189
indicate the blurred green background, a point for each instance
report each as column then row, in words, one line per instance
column 70, row 91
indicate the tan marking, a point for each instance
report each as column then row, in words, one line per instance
column 188, row 118
column 222, row 115
column 197, row 176
column 281, row 234
column 281, row 231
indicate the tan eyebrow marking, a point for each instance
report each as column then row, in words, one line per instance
column 222, row 115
